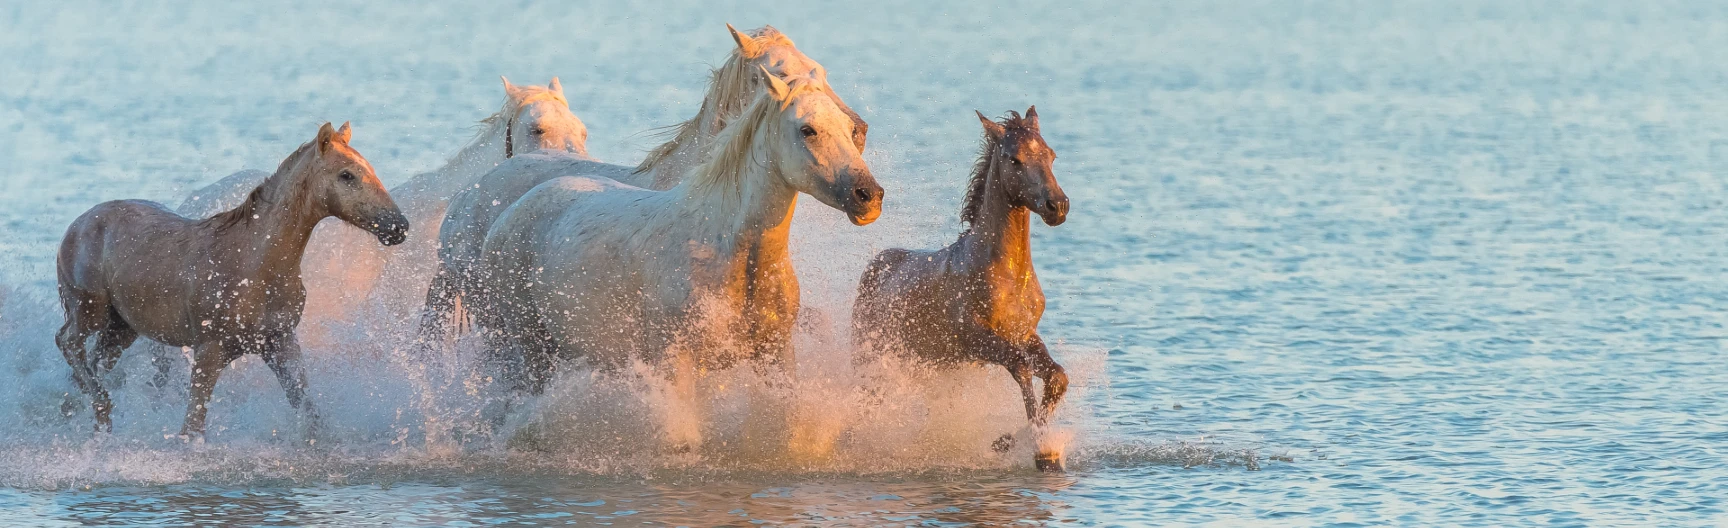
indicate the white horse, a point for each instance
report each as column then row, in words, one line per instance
column 695, row 277
column 729, row 92
column 732, row 87
column 340, row 266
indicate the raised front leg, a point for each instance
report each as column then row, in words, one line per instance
column 208, row 360
column 282, row 353
column 1054, row 376
column 992, row 348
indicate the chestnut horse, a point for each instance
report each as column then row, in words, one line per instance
column 977, row 300
column 227, row 286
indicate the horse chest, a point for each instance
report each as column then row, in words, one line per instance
column 1013, row 305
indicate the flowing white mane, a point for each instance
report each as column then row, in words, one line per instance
column 724, row 169
column 727, row 89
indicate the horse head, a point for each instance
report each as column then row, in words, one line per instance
column 812, row 148
column 342, row 181
column 1021, row 162
column 539, row 118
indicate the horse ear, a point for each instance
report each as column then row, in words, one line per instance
column 746, row 46
column 776, row 86
column 556, row 86
column 991, row 127
column 345, row 133
column 508, row 88
column 1032, row 117
column 324, row 134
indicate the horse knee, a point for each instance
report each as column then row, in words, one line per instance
column 1055, row 386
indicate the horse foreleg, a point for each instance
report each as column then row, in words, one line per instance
column 683, row 422
column 282, row 354
column 435, row 317
column 1023, row 377
column 1054, row 376
column 994, row 349
column 208, row 360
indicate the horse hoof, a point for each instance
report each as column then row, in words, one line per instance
column 1003, row 444
column 1049, row 462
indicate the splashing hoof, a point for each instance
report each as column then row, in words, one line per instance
column 1003, row 444
column 1050, row 462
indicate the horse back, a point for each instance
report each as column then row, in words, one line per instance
column 135, row 256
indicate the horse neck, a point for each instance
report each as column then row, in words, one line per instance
column 749, row 213
column 278, row 221
column 479, row 156
column 1000, row 236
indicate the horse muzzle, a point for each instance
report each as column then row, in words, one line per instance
column 864, row 204
column 1054, row 211
column 391, row 230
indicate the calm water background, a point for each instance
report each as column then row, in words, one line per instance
column 1342, row 262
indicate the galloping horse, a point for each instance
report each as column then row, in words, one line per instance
column 587, row 267
column 228, row 285
column 977, row 300
column 341, row 269
column 733, row 87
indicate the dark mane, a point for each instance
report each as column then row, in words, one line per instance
column 1014, row 126
column 227, row 219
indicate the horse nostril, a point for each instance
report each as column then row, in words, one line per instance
column 864, row 194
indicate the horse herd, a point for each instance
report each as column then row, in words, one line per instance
column 681, row 262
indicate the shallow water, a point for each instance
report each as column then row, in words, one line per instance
column 1385, row 262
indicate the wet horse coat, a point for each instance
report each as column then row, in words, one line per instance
column 228, row 285
column 587, row 267
column 977, row 300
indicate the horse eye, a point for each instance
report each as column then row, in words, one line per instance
column 808, row 131
column 1015, row 161
column 537, row 131
column 346, row 176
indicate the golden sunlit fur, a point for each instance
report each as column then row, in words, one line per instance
column 698, row 276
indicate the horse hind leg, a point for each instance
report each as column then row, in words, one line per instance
column 83, row 317
column 110, row 344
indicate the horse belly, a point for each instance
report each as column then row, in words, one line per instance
column 598, row 317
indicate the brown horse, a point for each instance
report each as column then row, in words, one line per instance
column 977, row 300
column 228, row 285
